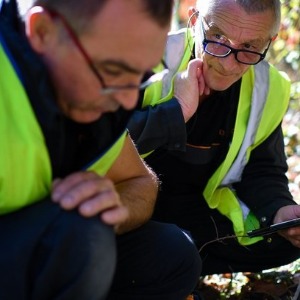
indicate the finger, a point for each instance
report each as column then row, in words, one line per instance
column 296, row 243
column 85, row 191
column 64, row 185
column 102, row 201
column 207, row 90
column 201, row 83
column 198, row 64
column 194, row 64
column 55, row 183
column 294, row 231
column 292, row 235
column 115, row 216
column 194, row 69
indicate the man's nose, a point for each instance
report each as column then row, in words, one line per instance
column 127, row 98
column 229, row 62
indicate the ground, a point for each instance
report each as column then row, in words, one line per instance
column 276, row 284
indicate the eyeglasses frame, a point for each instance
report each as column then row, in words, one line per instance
column 232, row 50
column 105, row 90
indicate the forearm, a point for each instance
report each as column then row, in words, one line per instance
column 158, row 126
column 139, row 196
column 136, row 185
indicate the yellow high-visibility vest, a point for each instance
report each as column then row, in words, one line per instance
column 263, row 101
column 25, row 168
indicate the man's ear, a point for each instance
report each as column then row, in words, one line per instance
column 39, row 28
column 193, row 14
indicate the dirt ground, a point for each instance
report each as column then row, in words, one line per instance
column 276, row 284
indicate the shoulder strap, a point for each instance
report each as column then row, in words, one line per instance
column 259, row 113
column 177, row 56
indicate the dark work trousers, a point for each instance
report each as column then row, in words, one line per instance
column 224, row 256
column 48, row 253
column 155, row 262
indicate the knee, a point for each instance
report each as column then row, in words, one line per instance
column 157, row 255
column 180, row 253
column 185, row 251
column 88, row 240
column 91, row 233
column 75, row 257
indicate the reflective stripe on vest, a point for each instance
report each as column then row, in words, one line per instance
column 247, row 135
column 260, row 93
column 177, row 56
column 263, row 101
column 25, row 168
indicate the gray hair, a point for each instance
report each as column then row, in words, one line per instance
column 250, row 7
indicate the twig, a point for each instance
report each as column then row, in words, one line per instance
column 218, row 240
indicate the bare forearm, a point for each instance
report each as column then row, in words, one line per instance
column 136, row 185
column 139, row 196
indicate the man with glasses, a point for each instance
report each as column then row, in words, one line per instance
column 215, row 124
column 70, row 176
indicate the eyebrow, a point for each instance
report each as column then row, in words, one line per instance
column 214, row 28
column 119, row 64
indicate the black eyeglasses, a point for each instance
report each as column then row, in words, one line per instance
column 221, row 50
column 107, row 90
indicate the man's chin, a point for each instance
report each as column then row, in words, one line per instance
column 219, row 82
column 86, row 116
column 220, row 85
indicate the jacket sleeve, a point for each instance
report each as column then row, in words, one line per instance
column 158, row 126
column 264, row 185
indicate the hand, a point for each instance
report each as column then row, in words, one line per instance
column 190, row 88
column 91, row 194
column 287, row 213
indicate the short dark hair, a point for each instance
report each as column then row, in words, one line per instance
column 160, row 10
column 79, row 13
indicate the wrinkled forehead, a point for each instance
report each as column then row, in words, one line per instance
column 211, row 7
column 230, row 19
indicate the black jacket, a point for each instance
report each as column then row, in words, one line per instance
column 188, row 154
column 72, row 146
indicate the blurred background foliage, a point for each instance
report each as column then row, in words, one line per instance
column 285, row 55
